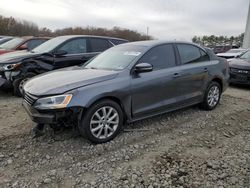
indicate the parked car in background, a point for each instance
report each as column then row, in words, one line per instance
column 64, row 51
column 22, row 43
column 127, row 83
column 5, row 39
column 223, row 48
column 233, row 53
column 2, row 36
column 240, row 69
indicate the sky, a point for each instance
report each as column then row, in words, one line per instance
column 166, row 19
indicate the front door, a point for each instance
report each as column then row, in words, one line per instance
column 153, row 91
column 76, row 53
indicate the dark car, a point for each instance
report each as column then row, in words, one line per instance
column 5, row 39
column 240, row 69
column 233, row 53
column 64, row 51
column 223, row 48
column 126, row 83
column 22, row 43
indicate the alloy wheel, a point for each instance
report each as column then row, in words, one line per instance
column 104, row 122
column 213, row 96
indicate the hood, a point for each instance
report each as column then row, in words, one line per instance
column 16, row 56
column 2, row 51
column 228, row 54
column 63, row 80
column 240, row 63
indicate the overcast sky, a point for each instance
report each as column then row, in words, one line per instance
column 166, row 19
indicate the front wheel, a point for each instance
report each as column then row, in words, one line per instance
column 19, row 83
column 102, row 122
column 212, row 96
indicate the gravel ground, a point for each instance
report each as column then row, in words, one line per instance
column 187, row 148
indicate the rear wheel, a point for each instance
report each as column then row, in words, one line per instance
column 19, row 83
column 212, row 96
column 102, row 122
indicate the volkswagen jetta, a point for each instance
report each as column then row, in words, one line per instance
column 126, row 83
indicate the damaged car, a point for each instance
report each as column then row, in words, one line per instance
column 64, row 51
column 126, row 83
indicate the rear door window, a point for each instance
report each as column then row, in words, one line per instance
column 99, row 45
column 160, row 57
column 191, row 54
column 75, row 46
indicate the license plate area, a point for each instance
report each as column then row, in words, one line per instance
column 242, row 78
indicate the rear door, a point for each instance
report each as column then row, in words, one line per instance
column 76, row 50
column 192, row 77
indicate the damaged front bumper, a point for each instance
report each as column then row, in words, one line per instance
column 7, row 78
column 4, row 83
column 38, row 117
column 67, row 116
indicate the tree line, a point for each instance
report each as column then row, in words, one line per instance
column 213, row 40
column 14, row 27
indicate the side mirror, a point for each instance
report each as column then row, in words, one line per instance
column 143, row 67
column 23, row 47
column 60, row 53
column 237, row 56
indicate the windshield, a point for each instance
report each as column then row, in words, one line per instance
column 245, row 55
column 49, row 45
column 116, row 58
column 10, row 45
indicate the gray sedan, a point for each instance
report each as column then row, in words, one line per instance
column 126, row 83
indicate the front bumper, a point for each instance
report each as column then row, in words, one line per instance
column 239, row 76
column 38, row 117
column 4, row 83
column 56, row 116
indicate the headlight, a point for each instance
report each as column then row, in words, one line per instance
column 11, row 66
column 55, row 102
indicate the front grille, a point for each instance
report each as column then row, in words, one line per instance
column 29, row 99
column 240, row 71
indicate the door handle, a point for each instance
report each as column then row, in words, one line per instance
column 176, row 75
column 205, row 70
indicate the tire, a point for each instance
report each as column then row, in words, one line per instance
column 19, row 82
column 95, row 127
column 212, row 96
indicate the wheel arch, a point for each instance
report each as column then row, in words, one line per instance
column 112, row 98
column 219, row 81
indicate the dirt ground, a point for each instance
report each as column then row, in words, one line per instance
column 186, row 148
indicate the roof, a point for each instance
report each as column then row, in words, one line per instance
column 32, row 37
column 151, row 43
column 90, row 36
